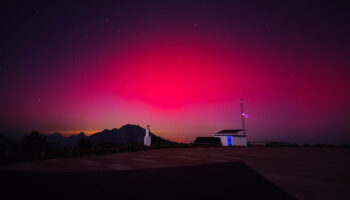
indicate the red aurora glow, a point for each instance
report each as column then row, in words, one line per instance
column 171, row 73
column 181, row 69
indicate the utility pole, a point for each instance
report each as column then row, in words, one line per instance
column 243, row 116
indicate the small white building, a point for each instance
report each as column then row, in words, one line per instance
column 232, row 137
column 147, row 138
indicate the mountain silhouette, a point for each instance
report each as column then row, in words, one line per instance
column 125, row 134
column 55, row 138
column 73, row 139
column 58, row 139
column 7, row 143
column 105, row 136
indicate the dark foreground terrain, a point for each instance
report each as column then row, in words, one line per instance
column 304, row 173
column 210, row 181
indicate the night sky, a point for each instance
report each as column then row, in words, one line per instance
column 180, row 66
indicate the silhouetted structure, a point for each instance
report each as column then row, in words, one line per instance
column 147, row 138
column 231, row 137
column 208, row 141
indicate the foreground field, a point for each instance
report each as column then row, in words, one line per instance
column 208, row 181
column 305, row 173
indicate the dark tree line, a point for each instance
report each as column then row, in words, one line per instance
column 34, row 142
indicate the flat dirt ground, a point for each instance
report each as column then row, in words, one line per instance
column 305, row 173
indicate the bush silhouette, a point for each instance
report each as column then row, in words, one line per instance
column 34, row 142
column 84, row 143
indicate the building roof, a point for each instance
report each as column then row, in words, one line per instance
column 228, row 132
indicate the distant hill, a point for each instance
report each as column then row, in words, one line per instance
column 105, row 136
column 125, row 134
column 73, row 139
column 7, row 143
column 58, row 139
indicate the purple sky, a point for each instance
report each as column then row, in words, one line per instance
column 180, row 66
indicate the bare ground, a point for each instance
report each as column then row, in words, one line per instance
column 305, row 173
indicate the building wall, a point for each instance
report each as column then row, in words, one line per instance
column 236, row 141
column 223, row 140
column 239, row 141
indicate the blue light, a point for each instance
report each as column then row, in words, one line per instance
column 229, row 141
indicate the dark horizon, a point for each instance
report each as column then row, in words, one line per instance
column 21, row 136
